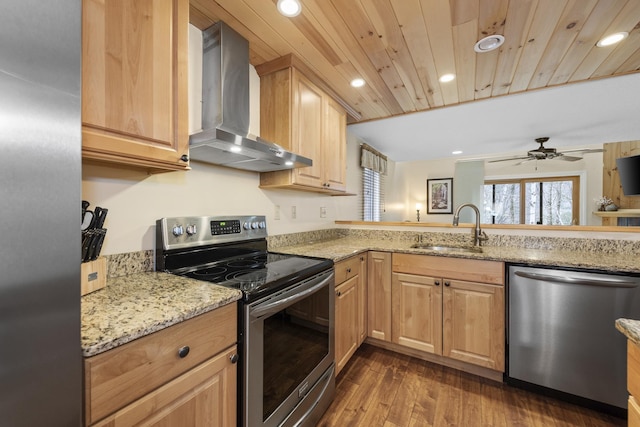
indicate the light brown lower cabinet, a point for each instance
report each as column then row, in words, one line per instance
column 184, row 375
column 435, row 312
column 633, row 382
column 350, row 308
column 204, row 396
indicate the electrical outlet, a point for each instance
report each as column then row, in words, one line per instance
column 323, row 212
column 276, row 212
column 293, row 212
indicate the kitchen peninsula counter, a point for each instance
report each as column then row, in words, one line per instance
column 136, row 305
column 341, row 248
column 630, row 328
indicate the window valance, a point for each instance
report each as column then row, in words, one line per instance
column 372, row 159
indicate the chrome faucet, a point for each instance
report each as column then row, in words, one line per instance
column 478, row 235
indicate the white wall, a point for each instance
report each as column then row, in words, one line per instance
column 136, row 200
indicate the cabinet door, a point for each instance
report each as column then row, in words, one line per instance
column 346, row 322
column 204, row 396
column 379, row 298
column 307, row 129
column 473, row 323
column 134, row 82
column 334, row 149
column 417, row 312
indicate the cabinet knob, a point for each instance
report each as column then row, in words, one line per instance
column 183, row 351
column 437, row 282
column 348, row 270
column 184, row 158
column 234, row 358
column 447, row 283
column 338, row 293
column 361, row 258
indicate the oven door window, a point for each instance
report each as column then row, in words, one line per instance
column 296, row 340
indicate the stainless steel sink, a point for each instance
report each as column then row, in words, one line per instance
column 444, row 248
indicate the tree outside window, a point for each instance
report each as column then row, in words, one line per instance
column 547, row 201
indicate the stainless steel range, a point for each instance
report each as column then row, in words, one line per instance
column 286, row 315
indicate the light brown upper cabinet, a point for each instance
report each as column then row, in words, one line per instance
column 299, row 116
column 134, row 83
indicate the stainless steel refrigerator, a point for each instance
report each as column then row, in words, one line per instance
column 40, row 194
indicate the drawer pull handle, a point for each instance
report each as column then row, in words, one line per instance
column 183, row 351
column 338, row 293
column 348, row 270
column 447, row 283
column 234, row 358
column 437, row 283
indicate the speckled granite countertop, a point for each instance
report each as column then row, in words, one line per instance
column 339, row 249
column 630, row 328
column 132, row 306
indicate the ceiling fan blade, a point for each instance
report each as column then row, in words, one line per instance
column 584, row 150
column 568, row 158
column 509, row 159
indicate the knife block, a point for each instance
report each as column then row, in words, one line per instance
column 93, row 275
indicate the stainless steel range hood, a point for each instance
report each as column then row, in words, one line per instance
column 225, row 138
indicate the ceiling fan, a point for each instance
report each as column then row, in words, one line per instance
column 543, row 153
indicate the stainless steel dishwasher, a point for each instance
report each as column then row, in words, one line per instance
column 561, row 333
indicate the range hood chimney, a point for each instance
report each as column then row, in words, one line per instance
column 225, row 138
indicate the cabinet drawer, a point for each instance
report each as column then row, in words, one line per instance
column 470, row 270
column 118, row 377
column 346, row 269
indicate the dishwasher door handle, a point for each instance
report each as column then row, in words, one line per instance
column 607, row 283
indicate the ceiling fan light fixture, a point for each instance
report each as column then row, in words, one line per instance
column 289, row 8
column 612, row 39
column 489, row 43
column 445, row 78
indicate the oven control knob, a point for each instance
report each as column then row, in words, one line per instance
column 246, row 225
column 178, row 230
column 191, row 229
column 254, row 225
column 262, row 224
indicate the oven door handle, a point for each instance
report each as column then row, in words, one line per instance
column 277, row 305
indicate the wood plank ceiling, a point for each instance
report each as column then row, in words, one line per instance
column 401, row 47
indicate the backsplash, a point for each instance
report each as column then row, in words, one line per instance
column 143, row 261
column 129, row 263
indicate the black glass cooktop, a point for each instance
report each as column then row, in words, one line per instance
column 258, row 273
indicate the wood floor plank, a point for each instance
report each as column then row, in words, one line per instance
column 381, row 388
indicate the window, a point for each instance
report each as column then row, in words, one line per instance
column 374, row 168
column 547, row 201
column 372, row 195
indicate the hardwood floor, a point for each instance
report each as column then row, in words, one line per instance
column 381, row 388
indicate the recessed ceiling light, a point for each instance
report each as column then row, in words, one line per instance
column 447, row 78
column 456, row 152
column 489, row 43
column 289, row 8
column 612, row 39
column 357, row 82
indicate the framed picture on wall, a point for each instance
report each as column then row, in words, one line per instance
column 440, row 196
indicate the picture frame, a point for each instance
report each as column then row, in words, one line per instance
column 440, row 196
